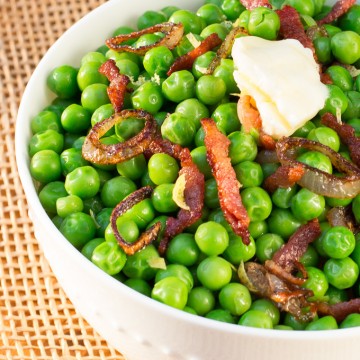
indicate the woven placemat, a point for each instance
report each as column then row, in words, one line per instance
column 37, row 321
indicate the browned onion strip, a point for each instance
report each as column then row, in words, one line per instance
column 186, row 61
column 317, row 180
column 288, row 256
column 340, row 310
column 340, row 8
column 147, row 236
column 346, row 134
column 96, row 152
column 173, row 34
column 343, row 216
column 225, row 48
column 217, row 152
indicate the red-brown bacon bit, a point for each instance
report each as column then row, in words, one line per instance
column 291, row 27
column 173, row 34
column 340, row 8
column 186, row 61
column 217, row 149
column 148, row 236
column 346, row 134
column 284, row 177
column 252, row 4
column 118, row 83
column 340, row 310
column 96, row 152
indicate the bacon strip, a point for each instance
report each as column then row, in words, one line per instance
column 340, row 310
column 186, row 61
column 118, row 83
column 285, row 176
column 252, row 4
column 217, row 149
column 193, row 193
column 347, row 135
column 339, row 9
column 291, row 27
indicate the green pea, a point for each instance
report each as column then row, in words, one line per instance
column 201, row 63
column 258, row 228
column 49, row 194
column 336, row 101
column 46, row 120
column 150, row 18
column 183, row 250
column 88, row 249
column 237, row 251
column 211, row 14
column 194, row 110
column 242, row 147
column 102, row 219
column 45, row 166
column 210, row 89
column 232, row 9
column 169, row 10
column 316, row 282
column 133, row 168
column 214, row 272
column 200, row 159
column 93, row 56
column 307, row 205
column 201, row 300
column 129, row 68
column 256, row 318
column 282, row 197
column 78, row 228
column 325, row 323
column 325, row 136
column 257, row 203
column 148, row 97
column 220, row 29
column 350, row 20
column 109, row 257
column 211, row 198
column 142, row 213
column 217, row 215
column 353, row 109
column 235, row 298
column 89, row 74
column 310, row 257
column 139, row 285
column 282, row 222
column 162, row 198
column 212, row 238
column 180, row 85
column 340, row 77
column 163, row 169
column 158, row 61
column 92, row 205
column 192, row 23
column 93, row 96
column 336, row 295
column 68, row 205
column 267, row 245
column 220, row 315
column 225, row 71
column 304, row 7
column 46, row 140
column 71, row 159
column 83, row 181
column 345, row 46
column 147, row 39
column 128, row 128
column 225, row 116
column 264, row 22
column 179, row 129
column 317, row 160
column 244, row 19
column 323, row 49
column 341, row 273
column 352, row 320
column 178, row 271
column 267, row 307
column 185, row 45
column 127, row 228
column 62, row 82
column 249, row 174
column 76, row 119
column 338, row 242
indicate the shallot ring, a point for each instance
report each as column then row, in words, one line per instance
column 147, row 236
column 96, row 152
column 173, row 34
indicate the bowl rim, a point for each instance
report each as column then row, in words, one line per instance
column 22, row 134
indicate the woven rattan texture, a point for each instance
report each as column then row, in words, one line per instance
column 37, row 321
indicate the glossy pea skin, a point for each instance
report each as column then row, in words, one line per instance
column 201, row 63
column 267, row 307
column 323, row 49
column 180, row 85
column 192, row 23
column 336, row 101
column 267, row 245
column 150, row 18
column 162, row 198
column 211, row 238
column 93, row 96
column 257, row 203
column 199, row 157
column 139, row 285
column 282, row 197
column 325, row 136
column 76, row 119
column 307, row 205
column 211, row 197
column 235, row 298
column 45, row 166
column 46, row 140
column 129, row 68
column 214, row 272
column 225, row 71
column 220, row 315
column 237, row 251
column 225, row 117
column 340, row 77
column 179, row 129
column 232, row 9
column 71, row 159
column 49, row 194
column 45, row 120
column 256, row 318
column 102, row 220
column 93, row 56
column 210, row 89
column 163, row 169
column 310, row 257
column 116, row 189
column 62, row 81
column 83, row 181
column 133, row 168
column 338, row 242
column 249, row 173
column 352, row 320
column 282, row 222
column 258, row 228
column 68, row 205
column 88, row 249
column 345, row 46
column 78, row 228
column 109, row 257
column 317, row 282
column 169, row 10
column 341, row 273
column 178, row 271
column 264, row 22
column 185, row 45
column 183, row 250
column 89, row 74
column 325, row 323
column 193, row 109
column 304, row 7
column 202, row 300
column 317, row 160
column 353, row 109
column 128, row 128
column 148, row 97
column 210, row 13
column 158, row 60
column 142, row 213
column 217, row 215
column 220, row 29
column 242, row 147
column 128, row 230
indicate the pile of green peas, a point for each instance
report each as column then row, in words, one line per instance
column 199, row 275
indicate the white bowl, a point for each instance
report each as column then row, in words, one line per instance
column 139, row 327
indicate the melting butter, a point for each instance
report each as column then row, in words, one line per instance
column 283, row 79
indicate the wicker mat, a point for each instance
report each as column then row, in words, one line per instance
column 37, row 321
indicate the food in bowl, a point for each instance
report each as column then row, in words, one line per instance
column 141, row 156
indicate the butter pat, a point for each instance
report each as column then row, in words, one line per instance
column 283, row 79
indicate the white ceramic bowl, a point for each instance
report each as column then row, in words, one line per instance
column 139, row 327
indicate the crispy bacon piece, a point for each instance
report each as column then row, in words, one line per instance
column 252, row 4
column 118, row 83
column 284, row 177
column 96, row 152
column 148, row 236
column 340, row 8
column 217, row 149
column 193, row 193
column 291, row 27
column 186, row 61
column 340, row 310
column 173, row 34
column 288, row 256
column 347, row 135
